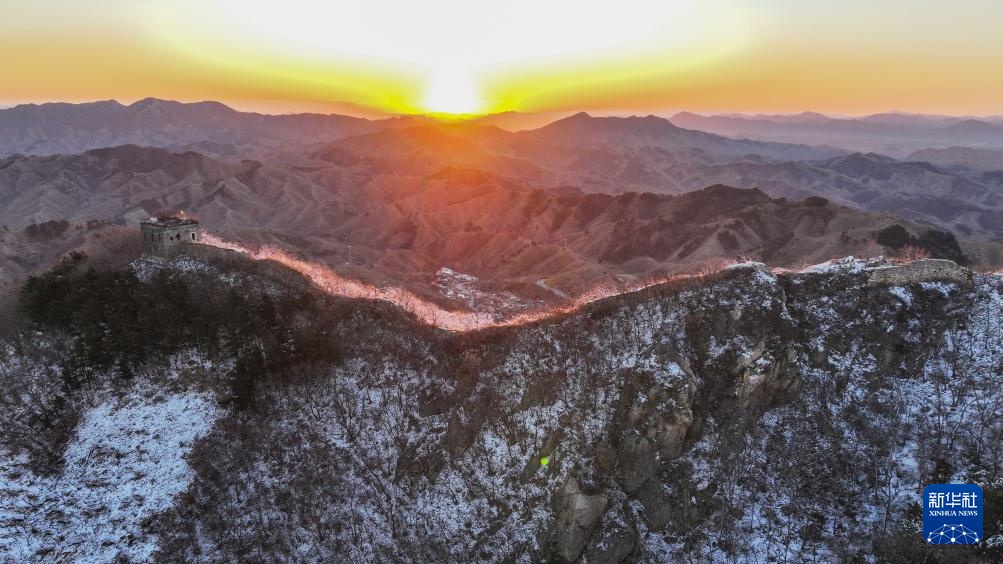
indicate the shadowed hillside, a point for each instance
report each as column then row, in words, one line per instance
column 742, row 415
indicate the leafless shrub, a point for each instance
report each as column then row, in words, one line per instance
column 908, row 253
column 39, row 415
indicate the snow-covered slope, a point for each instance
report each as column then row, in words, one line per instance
column 748, row 415
column 125, row 464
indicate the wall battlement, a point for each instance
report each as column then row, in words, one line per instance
column 923, row 270
column 168, row 237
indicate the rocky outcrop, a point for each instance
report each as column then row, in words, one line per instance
column 637, row 461
column 577, row 516
column 616, row 546
column 767, row 382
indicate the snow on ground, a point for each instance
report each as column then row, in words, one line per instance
column 902, row 294
column 762, row 272
column 945, row 288
column 126, row 463
column 848, row 265
column 463, row 288
column 145, row 268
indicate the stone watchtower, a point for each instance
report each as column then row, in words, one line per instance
column 167, row 236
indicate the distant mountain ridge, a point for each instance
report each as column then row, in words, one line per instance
column 649, row 154
column 316, row 177
column 978, row 159
column 72, row 128
column 222, row 131
column 892, row 133
column 583, row 129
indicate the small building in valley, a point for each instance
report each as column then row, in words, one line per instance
column 168, row 236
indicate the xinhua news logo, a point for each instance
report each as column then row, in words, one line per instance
column 952, row 514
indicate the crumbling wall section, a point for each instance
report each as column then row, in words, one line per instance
column 924, row 270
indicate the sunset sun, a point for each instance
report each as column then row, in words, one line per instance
column 451, row 93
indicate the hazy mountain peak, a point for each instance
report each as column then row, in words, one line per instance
column 649, row 124
column 813, row 116
column 151, row 101
column 55, row 105
column 973, row 126
column 160, row 105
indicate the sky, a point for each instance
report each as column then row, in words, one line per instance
column 474, row 56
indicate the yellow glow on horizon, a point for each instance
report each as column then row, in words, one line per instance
column 477, row 57
column 450, row 56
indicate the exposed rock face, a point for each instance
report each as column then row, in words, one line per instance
column 577, row 516
column 637, row 461
column 767, row 382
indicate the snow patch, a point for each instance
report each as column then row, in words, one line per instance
column 761, row 272
column 902, row 294
column 945, row 288
column 125, row 465
column 846, row 265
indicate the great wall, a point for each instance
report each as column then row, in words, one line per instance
column 191, row 240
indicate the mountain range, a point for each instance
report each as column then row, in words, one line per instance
column 609, row 155
column 396, row 224
column 893, row 133
column 210, row 127
column 579, row 201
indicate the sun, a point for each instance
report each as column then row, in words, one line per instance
column 452, row 93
